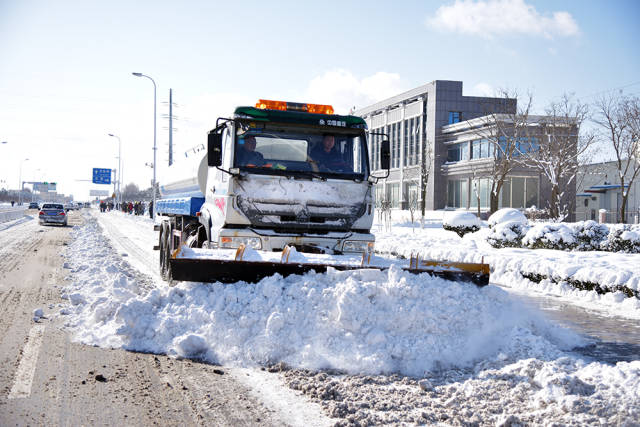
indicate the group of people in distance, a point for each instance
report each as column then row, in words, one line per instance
column 325, row 156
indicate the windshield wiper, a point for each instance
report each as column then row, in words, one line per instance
column 312, row 174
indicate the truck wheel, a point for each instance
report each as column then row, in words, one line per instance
column 165, row 251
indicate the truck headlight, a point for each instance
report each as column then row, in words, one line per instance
column 357, row 246
column 235, row 242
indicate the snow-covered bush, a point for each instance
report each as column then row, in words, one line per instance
column 507, row 215
column 461, row 222
column 507, row 234
column 589, row 235
column 534, row 214
column 550, row 236
column 623, row 238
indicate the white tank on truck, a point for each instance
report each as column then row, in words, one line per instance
column 280, row 188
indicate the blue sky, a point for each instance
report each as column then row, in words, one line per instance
column 65, row 78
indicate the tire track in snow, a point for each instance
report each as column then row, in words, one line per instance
column 123, row 242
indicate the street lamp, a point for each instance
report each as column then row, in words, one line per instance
column 119, row 200
column 154, row 141
column 20, row 183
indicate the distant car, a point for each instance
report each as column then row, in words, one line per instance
column 34, row 205
column 69, row 206
column 52, row 213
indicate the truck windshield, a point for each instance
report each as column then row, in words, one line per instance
column 279, row 152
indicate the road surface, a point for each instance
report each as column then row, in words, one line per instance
column 45, row 379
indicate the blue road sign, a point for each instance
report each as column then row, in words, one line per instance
column 101, row 176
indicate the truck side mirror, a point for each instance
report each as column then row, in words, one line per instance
column 214, row 149
column 385, row 155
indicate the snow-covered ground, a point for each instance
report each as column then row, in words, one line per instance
column 457, row 344
column 607, row 268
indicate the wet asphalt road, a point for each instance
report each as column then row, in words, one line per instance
column 614, row 339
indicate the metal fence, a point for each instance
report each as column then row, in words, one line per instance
column 610, row 217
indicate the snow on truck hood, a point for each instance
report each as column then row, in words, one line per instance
column 280, row 188
column 330, row 205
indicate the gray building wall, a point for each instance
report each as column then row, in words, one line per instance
column 436, row 100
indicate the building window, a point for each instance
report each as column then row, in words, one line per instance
column 454, row 117
column 457, row 193
column 379, row 197
column 531, row 192
column 397, row 138
column 480, row 189
column 394, row 143
column 405, row 138
column 518, row 146
column 393, row 194
column 481, row 149
column 458, row 152
column 520, row 193
column 411, row 193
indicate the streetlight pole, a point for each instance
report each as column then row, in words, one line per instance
column 154, row 141
column 119, row 199
column 20, row 183
column 3, row 143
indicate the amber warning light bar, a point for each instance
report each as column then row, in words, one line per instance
column 265, row 104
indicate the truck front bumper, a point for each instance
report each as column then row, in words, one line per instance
column 270, row 241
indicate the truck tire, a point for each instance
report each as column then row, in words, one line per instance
column 162, row 247
column 165, row 253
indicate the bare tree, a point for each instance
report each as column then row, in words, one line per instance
column 560, row 145
column 130, row 192
column 413, row 203
column 619, row 118
column 503, row 133
column 383, row 206
column 426, row 157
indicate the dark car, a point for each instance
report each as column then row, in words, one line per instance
column 34, row 205
column 52, row 213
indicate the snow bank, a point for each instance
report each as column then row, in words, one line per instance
column 610, row 270
column 550, row 236
column 363, row 321
column 507, row 215
column 461, row 219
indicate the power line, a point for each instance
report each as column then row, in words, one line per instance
column 612, row 89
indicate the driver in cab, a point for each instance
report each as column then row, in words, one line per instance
column 327, row 157
column 247, row 154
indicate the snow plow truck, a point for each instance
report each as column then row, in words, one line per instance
column 280, row 187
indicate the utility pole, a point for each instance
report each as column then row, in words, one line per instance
column 170, row 126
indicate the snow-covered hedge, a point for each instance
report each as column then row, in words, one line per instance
column 589, row 235
column 623, row 238
column 510, row 228
column 550, row 236
column 583, row 285
column 461, row 222
column 507, row 234
column 507, row 215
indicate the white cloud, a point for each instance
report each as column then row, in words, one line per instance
column 343, row 90
column 483, row 89
column 500, row 17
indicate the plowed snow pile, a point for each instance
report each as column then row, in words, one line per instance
column 417, row 349
column 359, row 322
